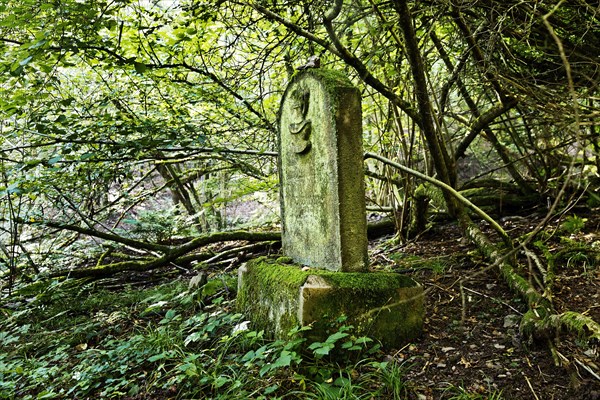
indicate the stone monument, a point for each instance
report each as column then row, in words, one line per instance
column 321, row 173
column 324, row 226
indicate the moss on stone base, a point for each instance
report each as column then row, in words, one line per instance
column 276, row 297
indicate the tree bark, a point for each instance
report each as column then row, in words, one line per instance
column 444, row 164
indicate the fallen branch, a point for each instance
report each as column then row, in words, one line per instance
column 138, row 244
column 505, row 238
column 181, row 254
column 173, row 255
column 238, row 250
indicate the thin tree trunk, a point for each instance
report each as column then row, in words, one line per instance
column 443, row 163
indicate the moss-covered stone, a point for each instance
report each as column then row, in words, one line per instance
column 321, row 172
column 385, row 306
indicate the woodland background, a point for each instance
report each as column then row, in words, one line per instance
column 139, row 140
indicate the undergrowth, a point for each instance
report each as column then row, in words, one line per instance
column 78, row 339
column 75, row 339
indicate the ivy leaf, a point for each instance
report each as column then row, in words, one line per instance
column 157, row 357
column 284, row 360
column 54, row 160
column 270, row 389
column 323, row 350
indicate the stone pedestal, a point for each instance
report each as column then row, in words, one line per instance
column 384, row 306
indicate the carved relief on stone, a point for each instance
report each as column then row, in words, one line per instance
column 300, row 130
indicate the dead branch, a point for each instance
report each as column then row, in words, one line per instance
column 173, row 255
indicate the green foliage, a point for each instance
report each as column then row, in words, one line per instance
column 394, row 382
column 160, row 225
column 573, row 224
column 342, row 343
column 169, row 341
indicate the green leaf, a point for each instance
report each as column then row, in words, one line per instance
column 341, row 381
column 321, row 349
column 284, row 360
column 189, row 369
column 38, row 44
column 221, row 381
column 25, row 61
column 54, row 160
column 169, row 317
column 140, row 68
column 363, row 340
column 45, row 68
column 86, row 156
column 160, row 356
column 47, row 395
column 336, row 336
column 315, row 345
column 250, row 355
column 14, row 188
column 270, row 389
column 16, row 70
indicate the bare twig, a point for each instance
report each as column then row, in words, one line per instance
column 494, row 299
column 588, row 369
column 241, row 249
column 531, row 388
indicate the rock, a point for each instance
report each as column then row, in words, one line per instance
column 511, row 320
column 197, row 281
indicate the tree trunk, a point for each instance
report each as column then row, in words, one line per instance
column 442, row 161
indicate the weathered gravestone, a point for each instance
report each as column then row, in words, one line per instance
column 321, row 173
column 324, row 226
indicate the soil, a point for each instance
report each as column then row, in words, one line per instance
column 471, row 338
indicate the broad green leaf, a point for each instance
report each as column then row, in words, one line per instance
column 284, row 360
column 270, row 389
column 25, row 61
column 140, row 68
column 54, row 160
column 336, row 336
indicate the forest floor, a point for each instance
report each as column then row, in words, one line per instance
column 471, row 340
column 150, row 335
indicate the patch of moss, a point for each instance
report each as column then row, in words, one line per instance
column 276, row 300
column 284, row 260
column 292, row 275
column 386, row 306
column 332, row 78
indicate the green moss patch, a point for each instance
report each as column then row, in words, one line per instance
column 277, row 298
